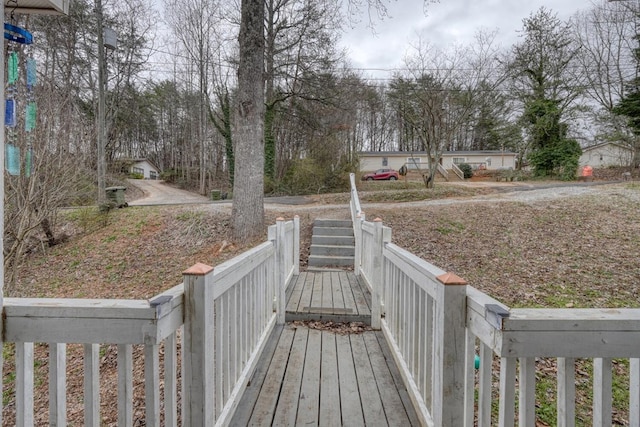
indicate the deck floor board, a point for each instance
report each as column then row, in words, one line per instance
column 329, row 295
column 318, row 377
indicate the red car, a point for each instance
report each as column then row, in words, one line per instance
column 389, row 174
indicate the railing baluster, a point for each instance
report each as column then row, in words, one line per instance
column 24, row 384
column 92, row 385
column 566, row 392
column 602, row 395
column 506, row 412
column 170, row 381
column 484, row 392
column 422, row 342
column 220, row 358
column 469, row 378
column 429, row 348
column 58, row 384
column 279, row 270
column 527, row 395
column 634, row 392
column 125, row 385
column 152, row 384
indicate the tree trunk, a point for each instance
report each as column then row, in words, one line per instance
column 248, row 188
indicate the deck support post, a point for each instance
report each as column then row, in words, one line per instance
column 198, row 402
column 449, row 351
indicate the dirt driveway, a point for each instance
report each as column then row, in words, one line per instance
column 159, row 193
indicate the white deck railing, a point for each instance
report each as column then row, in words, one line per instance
column 435, row 326
column 226, row 314
column 521, row 337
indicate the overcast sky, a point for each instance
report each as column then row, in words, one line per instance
column 444, row 23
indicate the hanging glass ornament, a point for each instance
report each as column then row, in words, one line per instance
column 12, row 154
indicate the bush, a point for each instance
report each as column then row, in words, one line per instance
column 466, row 170
column 136, row 175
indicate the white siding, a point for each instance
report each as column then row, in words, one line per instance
column 494, row 160
column 147, row 168
column 606, row 155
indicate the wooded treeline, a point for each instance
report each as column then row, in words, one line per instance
column 171, row 96
column 172, row 103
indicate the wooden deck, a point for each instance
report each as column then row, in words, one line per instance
column 313, row 377
column 330, row 295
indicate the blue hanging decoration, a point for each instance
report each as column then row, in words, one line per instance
column 15, row 34
column 31, row 73
column 12, row 154
column 10, row 113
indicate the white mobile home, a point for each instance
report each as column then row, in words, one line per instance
column 482, row 159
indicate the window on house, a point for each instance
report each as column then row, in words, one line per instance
column 385, row 161
column 138, row 170
column 413, row 162
column 459, row 160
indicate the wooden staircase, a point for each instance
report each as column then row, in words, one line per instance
column 332, row 244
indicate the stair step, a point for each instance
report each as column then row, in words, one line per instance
column 332, row 231
column 333, row 250
column 343, row 223
column 333, row 240
column 326, row 261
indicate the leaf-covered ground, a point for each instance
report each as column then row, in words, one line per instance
column 574, row 251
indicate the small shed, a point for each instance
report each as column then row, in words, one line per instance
column 606, row 154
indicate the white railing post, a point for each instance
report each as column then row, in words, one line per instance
column 357, row 234
column 296, row 245
column 376, row 276
column 199, row 352
column 279, row 271
column 449, row 354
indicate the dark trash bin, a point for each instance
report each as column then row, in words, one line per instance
column 115, row 196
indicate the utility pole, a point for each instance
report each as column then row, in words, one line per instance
column 102, row 129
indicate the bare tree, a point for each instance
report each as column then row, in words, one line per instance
column 194, row 24
column 439, row 100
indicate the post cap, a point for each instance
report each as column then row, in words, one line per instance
column 198, row 269
column 451, row 279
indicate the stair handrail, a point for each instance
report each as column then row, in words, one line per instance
column 355, row 200
column 443, row 171
column 457, row 171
